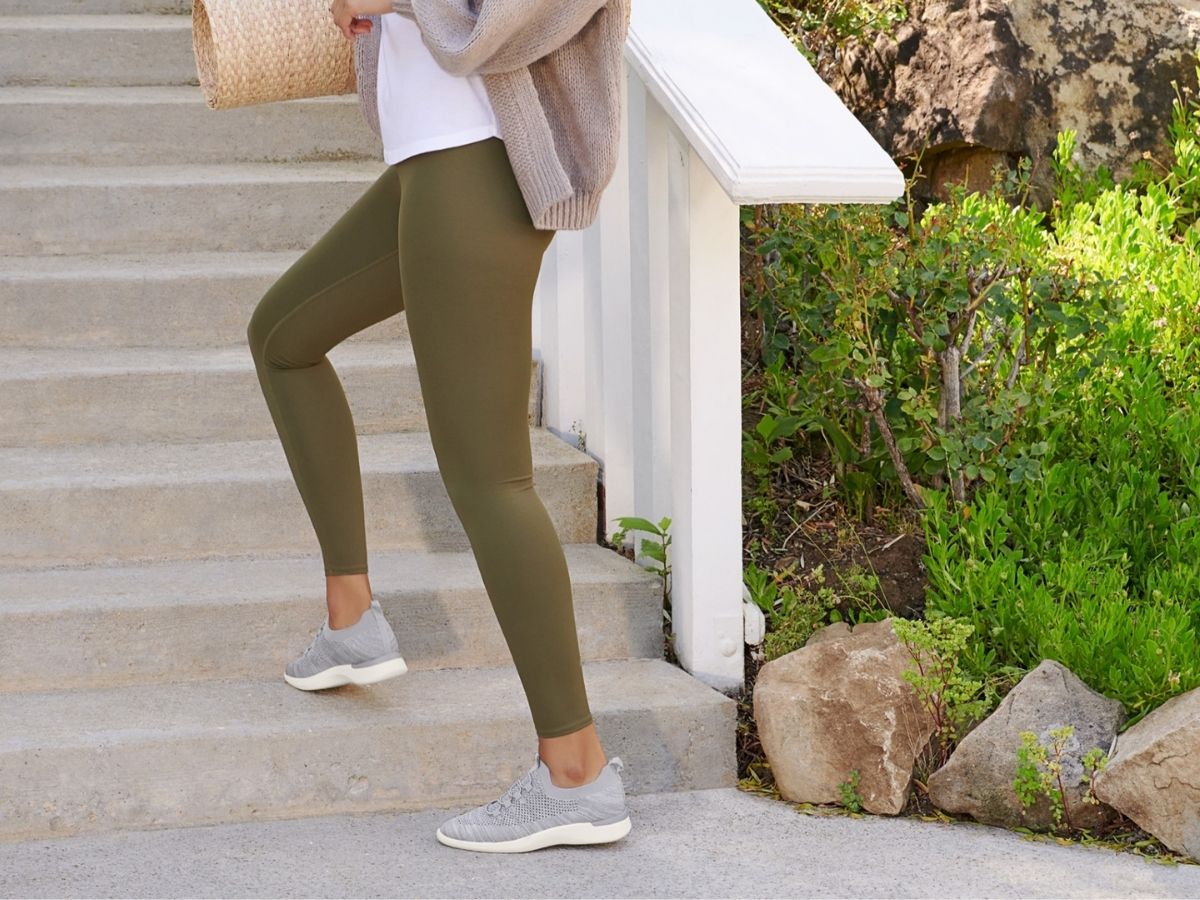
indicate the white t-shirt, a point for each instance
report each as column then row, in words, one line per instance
column 421, row 105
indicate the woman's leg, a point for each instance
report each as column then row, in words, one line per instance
column 349, row 279
column 469, row 262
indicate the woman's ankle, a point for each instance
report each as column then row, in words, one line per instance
column 574, row 759
column 347, row 597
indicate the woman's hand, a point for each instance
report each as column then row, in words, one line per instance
column 346, row 12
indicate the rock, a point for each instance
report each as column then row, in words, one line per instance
column 1154, row 774
column 832, row 631
column 977, row 779
column 837, row 704
column 981, row 81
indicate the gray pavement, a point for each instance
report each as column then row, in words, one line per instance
column 708, row 843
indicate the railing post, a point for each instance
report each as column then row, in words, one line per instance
column 706, row 420
column 615, row 385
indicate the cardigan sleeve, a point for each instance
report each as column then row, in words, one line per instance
column 484, row 36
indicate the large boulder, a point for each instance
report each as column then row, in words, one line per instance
column 1154, row 774
column 978, row 778
column 975, row 82
column 838, row 704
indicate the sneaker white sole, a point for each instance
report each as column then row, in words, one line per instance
column 574, row 833
column 335, row 676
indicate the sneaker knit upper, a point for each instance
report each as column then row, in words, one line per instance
column 534, row 803
column 370, row 638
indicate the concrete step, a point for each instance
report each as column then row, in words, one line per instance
column 161, row 300
column 103, row 626
column 199, row 752
column 172, row 124
column 127, row 209
column 97, row 7
column 62, row 396
column 107, row 503
column 97, row 49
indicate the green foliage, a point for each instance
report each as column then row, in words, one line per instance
column 767, row 445
column 851, row 798
column 1182, row 181
column 919, row 349
column 794, row 610
column 1097, row 565
column 1040, row 771
column 654, row 547
column 1073, row 185
column 770, row 445
column 1181, row 178
column 1101, row 578
column 944, row 692
column 844, row 19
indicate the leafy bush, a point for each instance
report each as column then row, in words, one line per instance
column 1097, row 565
column 950, row 698
column 919, row 349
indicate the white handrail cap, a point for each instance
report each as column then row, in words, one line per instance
column 763, row 121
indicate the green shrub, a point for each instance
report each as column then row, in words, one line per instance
column 1040, row 768
column 920, row 350
column 951, row 700
column 1097, row 564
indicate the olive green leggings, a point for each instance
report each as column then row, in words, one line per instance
column 446, row 237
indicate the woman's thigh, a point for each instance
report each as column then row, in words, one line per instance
column 469, row 263
column 346, row 281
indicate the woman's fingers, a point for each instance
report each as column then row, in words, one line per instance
column 350, row 24
column 346, row 23
column 354, row 25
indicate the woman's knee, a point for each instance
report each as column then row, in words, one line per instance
column 257, row 330
column 263, row 333
column 481, row 493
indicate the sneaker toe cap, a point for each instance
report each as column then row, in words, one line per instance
column 459, row 828
column 469, row 826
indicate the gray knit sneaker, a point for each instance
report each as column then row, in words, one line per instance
column 362, row 653
column 534, row 813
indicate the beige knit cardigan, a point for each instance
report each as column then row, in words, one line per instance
column 553, row 71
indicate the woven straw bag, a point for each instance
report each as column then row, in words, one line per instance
column 262, row 51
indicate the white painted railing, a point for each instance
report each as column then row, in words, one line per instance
column 636, row 318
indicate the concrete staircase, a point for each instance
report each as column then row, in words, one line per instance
column 157, row 567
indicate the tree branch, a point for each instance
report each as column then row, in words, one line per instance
column 873, row 399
